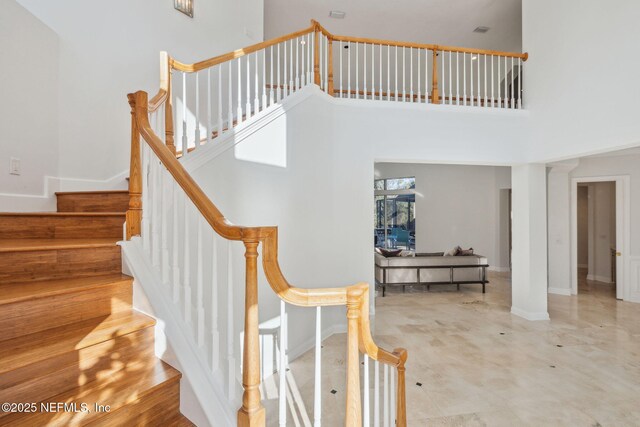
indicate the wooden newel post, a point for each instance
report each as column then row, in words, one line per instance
column 330, row 66
column 134, row 213
column 316, row 54
column 401, row 402
column 354, row 406
column 435, row 95
column 252, row 413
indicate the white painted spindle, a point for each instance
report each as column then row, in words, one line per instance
column 256, row 73
column 376, row 394
column 230, row 100
column 357, row 72
column 396, row 74
column 175, row 262
column 185, row 261
column 231, row 361
column 297, row 42
column 506, row 94
column 264, row 78
column 519, row 83
column 317, row 393
column 247, row 108
column 419, row 77
column 464, row 78
column 385, row 397
column 239, row 112
column 511, row 89
column 492, row 83
column 282, row 368
column 185, row 143
column 200, row 283
column 208, row 133
column 365, row 410
column 340, row 50
column 457, row 78
column 196, row 123
column 364, row 70
column 485, row 81
column 348, row 69
column 220, row 122
column 215, row 335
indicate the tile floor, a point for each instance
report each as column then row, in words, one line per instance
column 481, row 366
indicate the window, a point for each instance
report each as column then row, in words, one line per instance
column 408, row 183
column 394, row 212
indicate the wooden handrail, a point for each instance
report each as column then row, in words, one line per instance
column 192, row 68
column 523, row 56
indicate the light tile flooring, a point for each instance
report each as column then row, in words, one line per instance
column 481, row 366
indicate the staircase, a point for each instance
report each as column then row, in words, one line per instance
column 68, row 332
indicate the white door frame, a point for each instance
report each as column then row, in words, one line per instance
column 623, row 230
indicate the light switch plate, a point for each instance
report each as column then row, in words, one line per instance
column 14, row 166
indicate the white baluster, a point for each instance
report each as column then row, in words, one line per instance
column 385, row 396
column 282, row 368
column 186, row 265
column 271, row 95
column 392, row 396
column 506, row 94
column 411, row 74
column 155, row 222
column 239, row 112
column 231, row 360
column 185, row 143
column 388, row 72
column 380, row 75
column 144, row 153
column 230, row 92
column 349, row 69
column 426, row 76
column 175, row 263
column 464, row 78
column 492, row 83
column 512, row 105
column 373, row 74
column 164, row 233
column 499, row 80
column 340, row 47
column 209, row 129
column 357, row 73
column 486, row 99
column 396, row 73
column 220, row 123
column 264, row 78
column 457, row 78
column 479, row 93
column 419, row 78
column 297, row 63
column 279, row 88
column 317, row 393
column 376, row 393
column 309, row 55
column 256, row 99
column 443, row 78
column 215, row 335
column 291, row 79
column 200, row 282
column 404, row 73
column 326, row 64
column 471, row 80
column 197, row 118
column 520, row 83
column 365, row 409
column 312, row 52
column 285, row 89
column 364, row 70
column 450, row 80
column 247, row 107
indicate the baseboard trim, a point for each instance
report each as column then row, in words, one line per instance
column 596, row 278
column 560, row 291
column 499, row 269
column 533, row 316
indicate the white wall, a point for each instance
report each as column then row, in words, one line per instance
column 577, row 77
column 28, row 112
column 457, row 205
column 108, row 49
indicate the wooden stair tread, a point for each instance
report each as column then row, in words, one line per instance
column 20, row 245
column 23, row 291
column 71, row 193
column 118, row 390
column 27, row 349
column 62, row 214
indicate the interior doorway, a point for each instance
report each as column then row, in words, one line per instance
column 600, row 233
column 597, row 245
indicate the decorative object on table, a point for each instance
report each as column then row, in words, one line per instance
column 184, row 6
column 388, row 253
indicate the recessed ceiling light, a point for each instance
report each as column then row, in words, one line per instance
column 473, row 58
column 481, row 30
column 337, row 14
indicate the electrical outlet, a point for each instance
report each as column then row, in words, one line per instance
column 14, row 166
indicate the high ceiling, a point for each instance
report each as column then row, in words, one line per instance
column 446, row 22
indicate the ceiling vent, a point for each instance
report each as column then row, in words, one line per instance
column 481, row 30
column 337, row 14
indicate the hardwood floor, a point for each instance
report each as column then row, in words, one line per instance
column 68, row 332
column 479, row 365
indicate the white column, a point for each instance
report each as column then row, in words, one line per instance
column 559, row 228
column 529, row 261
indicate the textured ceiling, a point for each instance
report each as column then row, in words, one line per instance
column 447, row 22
